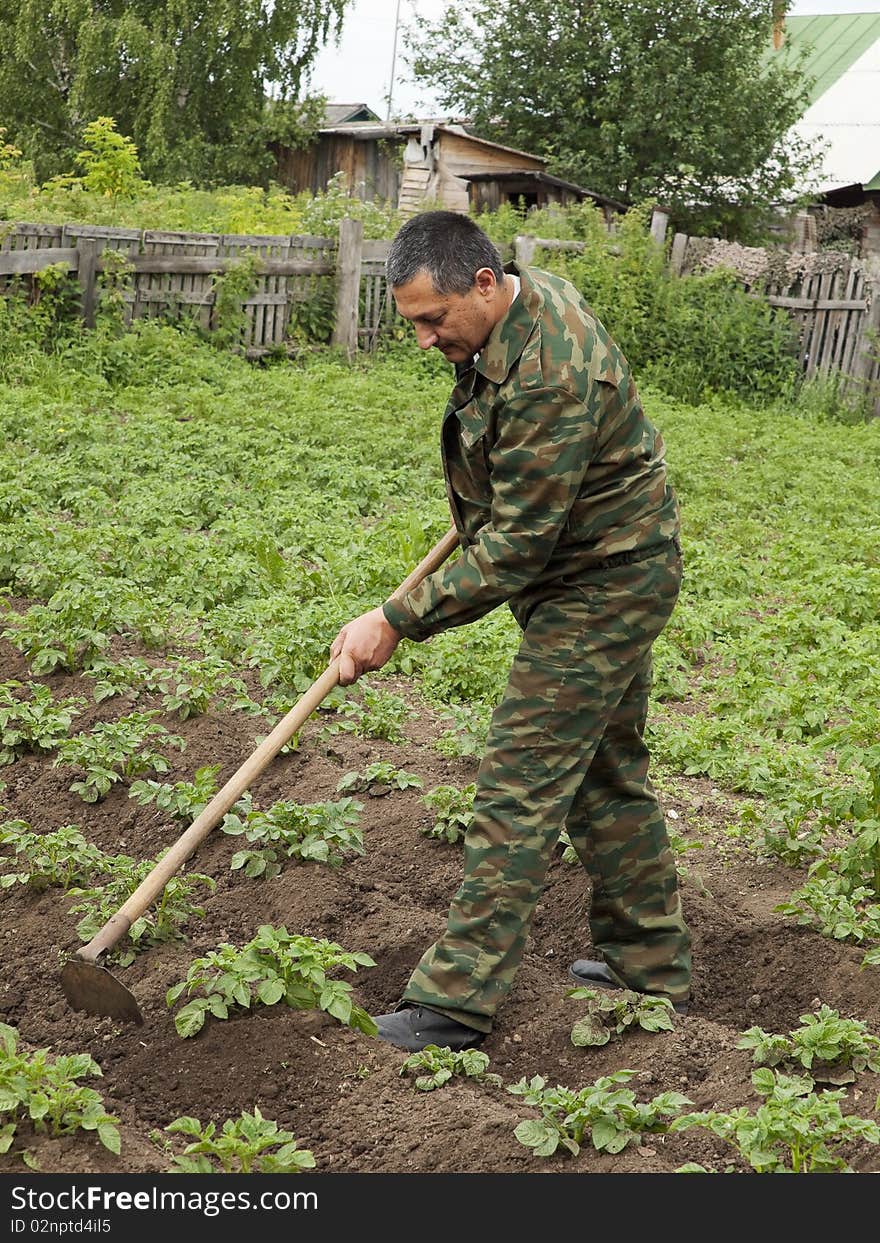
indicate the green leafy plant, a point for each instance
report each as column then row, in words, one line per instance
column 275, row 966
column 61, row 858
column 607, row 1111
column 787, row 831
column 115, row 751
column 38, row 724
column 794, row 1131
column 441, row 1064
column 189, row 688
column 453, row 810
column 110, row 161
column 836, row 908
column 466, row 735
column 378, row 714
column 43, row 1089
column 375, row 776
column 250, row 1144
column 313, row 832
column 164, row 920
column 183, row 800
column 830, row 1047
column 611, row 1014
column 75, row 625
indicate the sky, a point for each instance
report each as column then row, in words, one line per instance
column 359, row 69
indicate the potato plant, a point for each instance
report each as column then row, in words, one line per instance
column 116, row 751
column 275, row 966
column 377, row 714
column 611, row 1014
column 453, row 810
column 182, row 800
column 826, row 1045
column 249, row 1144
column 37, row 724
column 61, row 858
column 606, row 1111
column 163, row 921
column 44, row 1090
column 378, row 777
column 310, row 832
column 434, row 1066
column 794, row 1131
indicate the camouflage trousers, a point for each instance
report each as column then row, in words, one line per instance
column 566, row 749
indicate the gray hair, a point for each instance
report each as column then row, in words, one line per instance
column 450, row 247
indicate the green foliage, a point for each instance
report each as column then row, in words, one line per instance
column 441, row 1064
column 110, row 161
column 60, row 858
column 823, row 1042
column 313, row 832
column 231, row 290
column 275, row 966
column 116, row 751
column 184, row 800
column 38, row 724
column 162, row 922
column 185, row 81
column 189, row 687
column 381, row 773
column 43, row 1089
column 607, row 1111
column 794, row 1131
column 596, row 114
column 686, row 335
column 77, row 622
column 378, row 714
column 453, row 810
column 610, row 1015
column 243, row 1146
column 469, row 726
column 836, row 908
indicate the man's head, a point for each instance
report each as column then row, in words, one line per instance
column 447, row 279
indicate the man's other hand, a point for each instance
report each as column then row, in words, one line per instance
column 365, row 644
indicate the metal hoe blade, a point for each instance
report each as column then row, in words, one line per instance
column 93, row 989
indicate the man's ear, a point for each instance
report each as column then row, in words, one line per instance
column 485, row 282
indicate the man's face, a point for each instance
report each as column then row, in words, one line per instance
column 457, row 324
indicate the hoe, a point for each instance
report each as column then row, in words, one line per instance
column 85, row 982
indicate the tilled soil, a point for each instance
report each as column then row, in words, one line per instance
column 342, row 1093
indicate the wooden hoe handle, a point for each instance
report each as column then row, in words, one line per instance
column 153, row 884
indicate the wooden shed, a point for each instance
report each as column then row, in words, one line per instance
column 436, row 161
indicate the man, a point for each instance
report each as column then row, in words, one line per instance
column 557, row 486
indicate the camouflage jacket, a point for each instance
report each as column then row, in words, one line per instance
column 551, row 464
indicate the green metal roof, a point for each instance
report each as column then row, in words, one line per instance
column 833, row 43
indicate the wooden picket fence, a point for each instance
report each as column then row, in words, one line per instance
column 174, row 273
column 831, row 297
column 837, row 308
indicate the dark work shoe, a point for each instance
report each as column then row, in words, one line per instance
column 415, row 1027
column 590, row 972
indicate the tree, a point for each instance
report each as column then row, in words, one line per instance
column 681, row 101
column 185, row 79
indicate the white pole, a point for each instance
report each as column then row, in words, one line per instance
column 393, row 61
